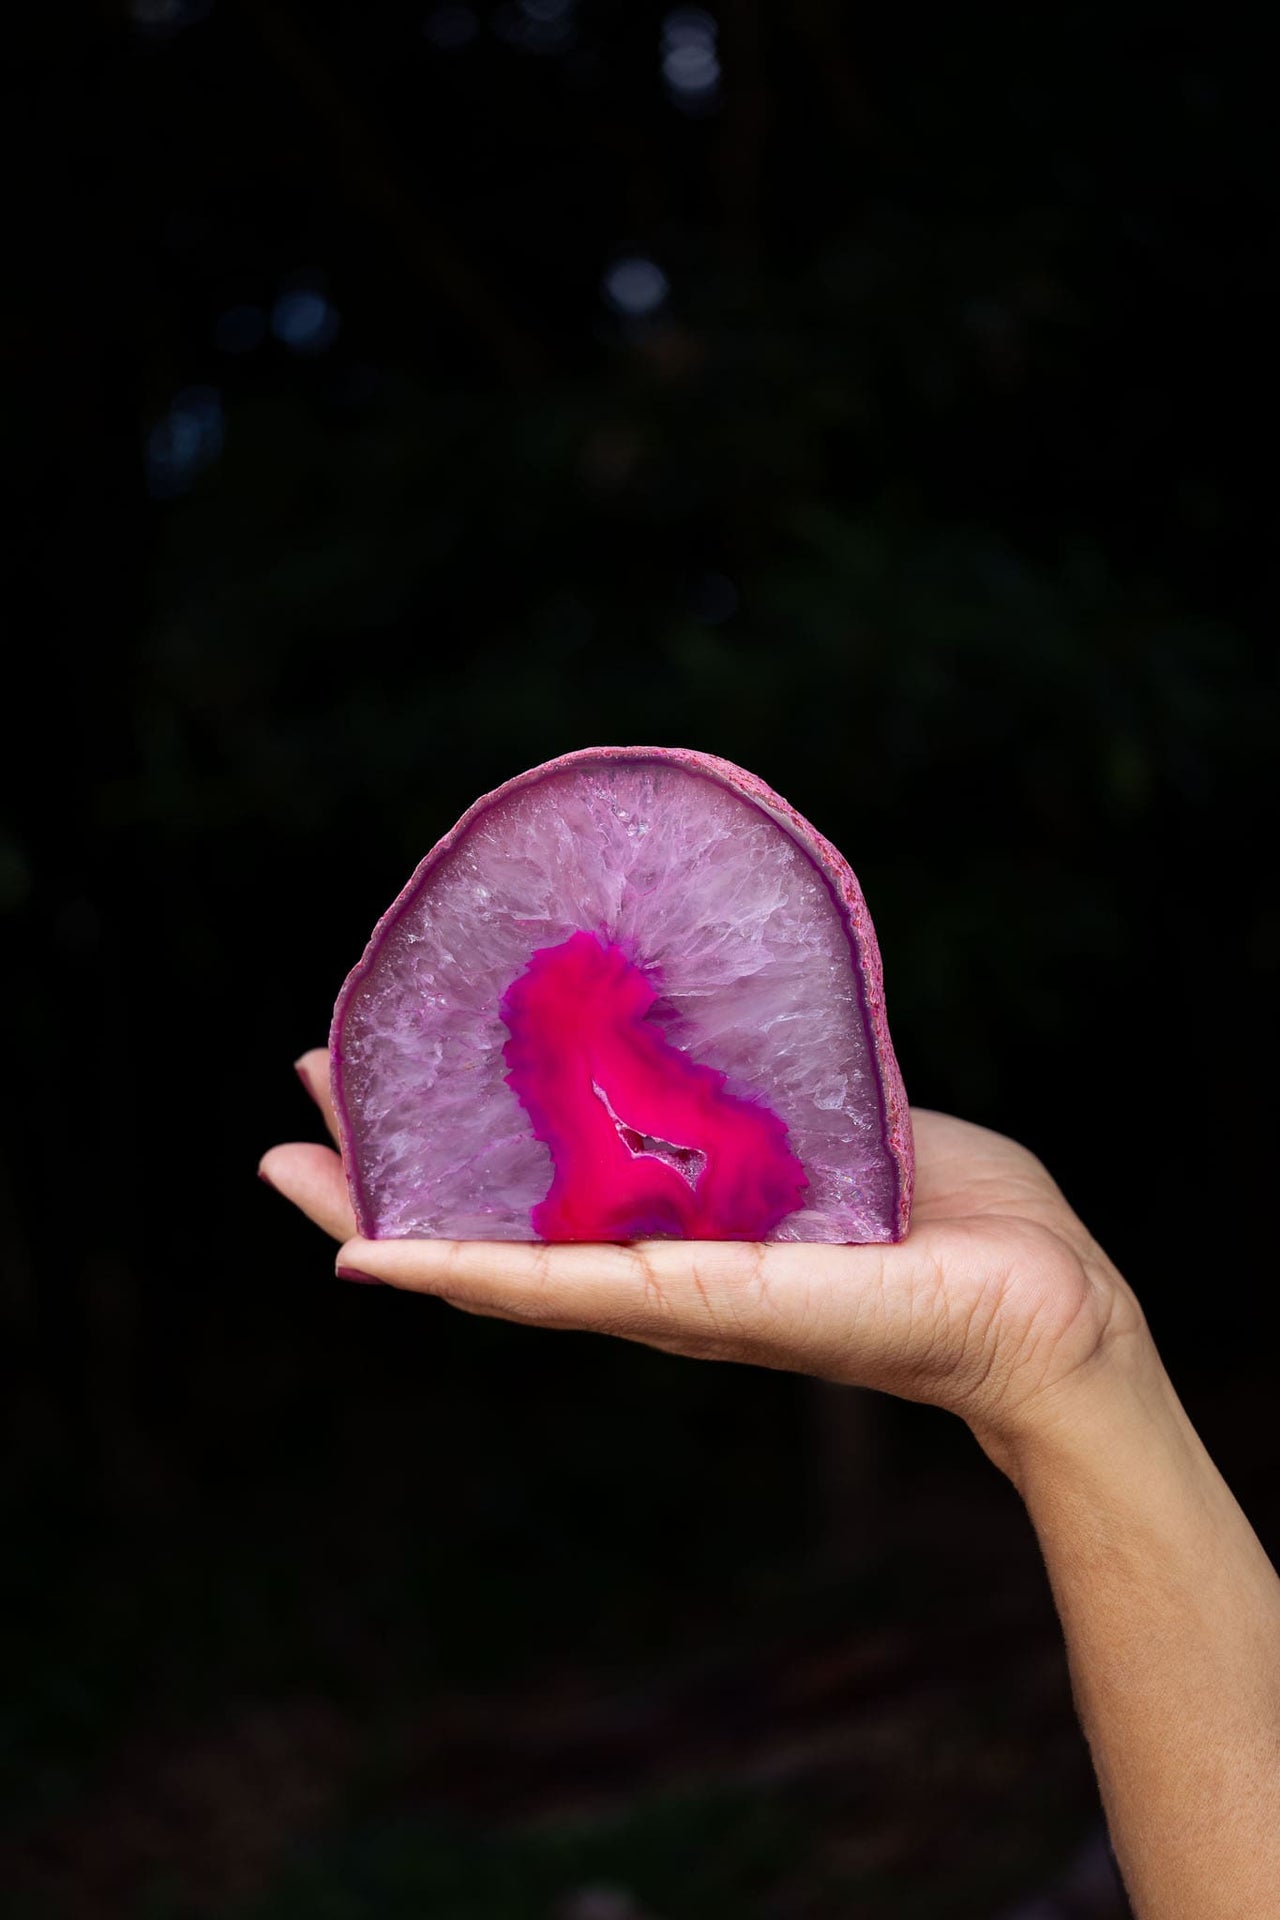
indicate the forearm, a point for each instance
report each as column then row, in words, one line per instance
column 1171, row 1612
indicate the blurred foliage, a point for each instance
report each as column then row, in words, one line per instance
column 690, row 1858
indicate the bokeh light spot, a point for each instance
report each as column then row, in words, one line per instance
column 305, row 321
column 636, row 286
column 690, row 58
column 160, row 18
column 186, row 441
column 537, row 26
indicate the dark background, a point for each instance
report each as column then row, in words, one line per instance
column 917, row 466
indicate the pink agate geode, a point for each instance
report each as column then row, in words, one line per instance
column 632, row 993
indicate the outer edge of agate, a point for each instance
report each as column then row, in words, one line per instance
column 831, row 863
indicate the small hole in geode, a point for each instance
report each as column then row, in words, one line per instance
column 688, row 1162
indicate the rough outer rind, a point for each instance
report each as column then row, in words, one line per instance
column 835, row 869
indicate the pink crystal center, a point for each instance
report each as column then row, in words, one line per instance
column 644, row 1140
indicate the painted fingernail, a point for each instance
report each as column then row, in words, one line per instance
column 361, row 1279
column 306, row 1080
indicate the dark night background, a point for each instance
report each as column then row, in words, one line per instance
column 397, row 396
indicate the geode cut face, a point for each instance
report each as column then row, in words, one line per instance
column 631, row 994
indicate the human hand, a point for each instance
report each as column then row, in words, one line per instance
column 1000, row 1306
column 995, row 1302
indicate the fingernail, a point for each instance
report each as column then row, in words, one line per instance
column 361, row 1279
column 305, row 1078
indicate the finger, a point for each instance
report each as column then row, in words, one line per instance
column 713, row 1293
column 313, row 1071
column 312, row 1177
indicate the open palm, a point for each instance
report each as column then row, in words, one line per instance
column 997, row 1296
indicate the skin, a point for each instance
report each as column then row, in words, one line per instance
column 1002, row 1308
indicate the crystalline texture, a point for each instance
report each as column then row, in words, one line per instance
column 727, row 986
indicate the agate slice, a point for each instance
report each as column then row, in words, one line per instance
column 632, row 993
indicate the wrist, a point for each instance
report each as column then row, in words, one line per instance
column 1114, row 1408
column 1112, row 1471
